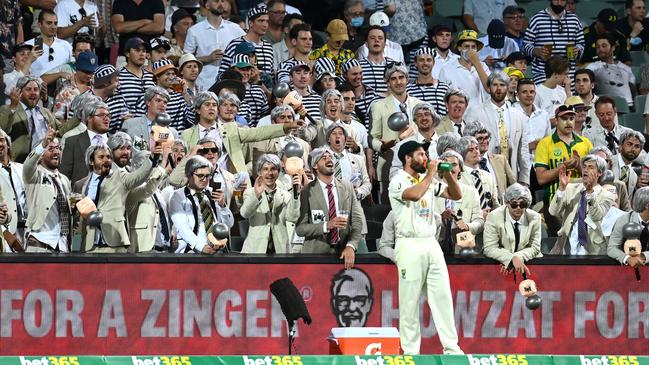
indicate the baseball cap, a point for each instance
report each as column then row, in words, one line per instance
column 163, row 65
column 156, row 43
column 241, row 61
column 410, row 146
column 104, row 74
column 565, row 110
column 134, row 42
column 20, row 46
column 87, row 62
column 608, row 17
column 513, row 9
column 337, row 30
column 300, row 65
column 496, row 32
column 245, row 48
column 469, row 35
column 379, row 18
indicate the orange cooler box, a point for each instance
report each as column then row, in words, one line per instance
column 364, row 341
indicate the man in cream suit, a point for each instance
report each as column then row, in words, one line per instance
column 279, row 115
column 224, row 130
column 13, row 187
column 508, row 127
column 382, row 137
column 581, row 207
column 512, row 233
column 24, row 120
column 139, row 128
column 108, row 186
column 472, row 175
column 631, row 143
column 49, row 223
column 268, row 208
column 458, row 215
column 456, row 103
column 640, row 215
column 609, row 131
column 495, row 165
column 322, row 205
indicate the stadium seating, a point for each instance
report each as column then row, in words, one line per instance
column 634, row 121
column 639, row 102
column 621, row 105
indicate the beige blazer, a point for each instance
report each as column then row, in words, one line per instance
column 40, row 191
column 617, row 172
column 566, row 208
column 499, row 241
column 15, row 124
column 17, row 170
column 519, row 151
column 380, row 111
column 112, row 204
column 234, row 139
column 469, row 205
column 502, row 172
column 264, row 219
column 488, row 184
column 142, row 212
column 446, row 126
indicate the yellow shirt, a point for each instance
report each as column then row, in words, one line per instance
column 552, row 151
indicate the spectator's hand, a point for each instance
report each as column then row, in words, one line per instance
column 157, row 149
column 219, row 197
column 255, row 75
column 490, row 61
column 49, row 136
column 350, row 144
column 4, row 213
column 505, row 270
column 209, row 249
column 386, row 145
column 348, row 256
column 564, row 177
column 541, row 52
column 519, row 265
column 643, row 180
column 35, row 53
column 448, row 214
column 14, row 97
column 533, row 144
column 297, row 180
column 216, row 55
column 195, row 149
column 259, row 187
column 337, row 222
column 636, row 261
column 637, row 29
column 219, row 244
column 473, row 57
column 371, row 171
column 461, row 225
column 293, row 125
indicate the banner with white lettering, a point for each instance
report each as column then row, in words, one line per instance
column 142, row 308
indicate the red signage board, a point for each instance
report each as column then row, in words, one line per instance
column 145, row 308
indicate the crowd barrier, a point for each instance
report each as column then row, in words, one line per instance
column 197, row 305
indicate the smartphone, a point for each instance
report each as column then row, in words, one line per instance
column 215, row 185
column 38, row 43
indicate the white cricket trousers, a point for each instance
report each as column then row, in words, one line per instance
column 420, row 264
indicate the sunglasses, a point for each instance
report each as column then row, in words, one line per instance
column 516, row 205
column 563, row 108
column 204, row 151
column 50, row 58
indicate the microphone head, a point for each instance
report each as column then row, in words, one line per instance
column 95, row 218
column 281, row 90
column 220, row 231
column 293, row 149
column 398, row 121
column 631, row 230
column 162, row 119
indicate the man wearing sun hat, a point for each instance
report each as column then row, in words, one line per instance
column 190, row 68
column 337, row 35
column 468, row 73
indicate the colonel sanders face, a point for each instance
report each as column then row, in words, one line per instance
column 351, row 297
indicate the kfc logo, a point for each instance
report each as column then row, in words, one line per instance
column 352, row 296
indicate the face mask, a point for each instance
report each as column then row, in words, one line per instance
column 557, row 9
column 357, row 21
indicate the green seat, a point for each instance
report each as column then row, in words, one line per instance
column 591, row 9
column 236, row 243
column 639, row 102
column 621, row 105
column 639, row 58
column 448, row 9
column 533, row 7
column 637, row 72
column 634, row 121
column 434, row 20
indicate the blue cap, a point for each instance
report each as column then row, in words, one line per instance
column 245, row 48
column 87, row 62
